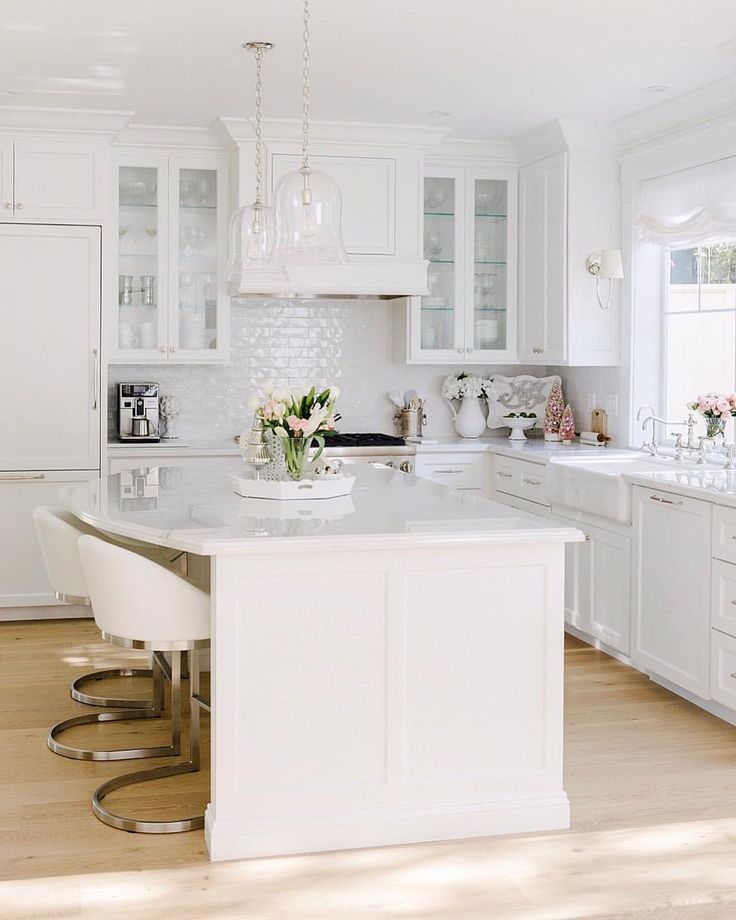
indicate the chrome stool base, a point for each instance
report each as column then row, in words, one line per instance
column 109, row 701
column 154, row 710
column 135, row 825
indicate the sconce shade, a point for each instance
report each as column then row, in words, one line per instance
column 611, row 264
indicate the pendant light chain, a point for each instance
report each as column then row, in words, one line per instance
column 305, row 89
column 259, row 133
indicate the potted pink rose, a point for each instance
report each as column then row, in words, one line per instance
column 716, row 409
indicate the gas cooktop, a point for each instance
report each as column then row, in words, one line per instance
column 363, row 439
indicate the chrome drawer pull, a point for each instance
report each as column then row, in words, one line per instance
column 449, row 471
column 664, row 501
column 510, row 476
column 17, row 477
column 532, row 482
column 734, row 675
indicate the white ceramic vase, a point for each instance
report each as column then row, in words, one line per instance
column 469, row 419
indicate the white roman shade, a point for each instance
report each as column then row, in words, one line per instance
column 685, row 208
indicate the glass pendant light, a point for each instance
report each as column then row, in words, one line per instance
column 308, row 201
column 253, row 227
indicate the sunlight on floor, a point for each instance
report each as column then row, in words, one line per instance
column 524, row 878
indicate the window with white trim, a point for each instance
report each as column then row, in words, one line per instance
column 699, row 354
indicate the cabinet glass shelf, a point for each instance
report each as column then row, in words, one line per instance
column 439, row 213
column 442, row 261
column 490, row 309
column 494, row 216
column 437, row 309
column 486, row 262
column 183, row 207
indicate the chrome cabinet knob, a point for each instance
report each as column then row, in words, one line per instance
column 405, row 466
column 460, row 351
column 469, row 349
column 19, row 205
column 9, row 205
column 171, row 349
column 162, row 349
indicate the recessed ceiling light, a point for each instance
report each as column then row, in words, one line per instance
column 437, row 113
column 655, row 88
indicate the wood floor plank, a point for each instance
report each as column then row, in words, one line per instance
column 651, row 779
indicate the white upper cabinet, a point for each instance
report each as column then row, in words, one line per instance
column 52, row 180
column 166, row 300
column 569, row 205
column 469, row 313
column 543, row 260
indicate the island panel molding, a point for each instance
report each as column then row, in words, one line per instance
column 417, row 696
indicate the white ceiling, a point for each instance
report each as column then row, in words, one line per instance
column 499, row 67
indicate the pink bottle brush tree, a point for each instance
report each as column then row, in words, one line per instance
column 553, row 413
column 567, row 426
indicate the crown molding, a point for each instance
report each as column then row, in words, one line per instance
column 562, row 135
column 690, row 112
column 474, row 151
column 98, row 122
column 335, row 132
column 208, row 139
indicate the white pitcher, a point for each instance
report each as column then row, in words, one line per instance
column 469, row 419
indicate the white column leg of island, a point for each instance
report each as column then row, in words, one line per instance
column 374, row 696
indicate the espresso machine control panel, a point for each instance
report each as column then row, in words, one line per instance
column 138, row 415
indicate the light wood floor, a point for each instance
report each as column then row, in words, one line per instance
column 651, row 778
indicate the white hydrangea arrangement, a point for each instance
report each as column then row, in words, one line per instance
column 456, row 386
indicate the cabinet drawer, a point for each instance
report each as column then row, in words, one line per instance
column 464, row 471
column 723, row 597
column 521, row 504
column 724, row 534
column 532, row 478
column 520, row 478
column 723, row 669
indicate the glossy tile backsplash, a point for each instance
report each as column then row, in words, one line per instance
column 296, row 344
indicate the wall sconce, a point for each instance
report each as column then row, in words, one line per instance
column 605, row 264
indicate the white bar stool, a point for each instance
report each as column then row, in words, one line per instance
column 140, row 604
column 58, row 532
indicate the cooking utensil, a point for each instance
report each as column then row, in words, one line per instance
column 396, row 398
column 408, row 396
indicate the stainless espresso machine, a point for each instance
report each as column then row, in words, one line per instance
column 138, row 418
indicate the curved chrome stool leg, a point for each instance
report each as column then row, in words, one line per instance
column 110, row 701
column 91, row 700
column 137, row 825
column 153, row 711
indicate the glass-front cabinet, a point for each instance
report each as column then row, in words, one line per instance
column 170, row 302
column 469, row 313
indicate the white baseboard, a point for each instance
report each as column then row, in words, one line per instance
column 46, row 612
column 236, row 839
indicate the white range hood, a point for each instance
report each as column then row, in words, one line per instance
column 379, row 171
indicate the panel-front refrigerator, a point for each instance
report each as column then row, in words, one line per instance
column 50, row 399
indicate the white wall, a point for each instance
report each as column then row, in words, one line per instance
column 349, row 344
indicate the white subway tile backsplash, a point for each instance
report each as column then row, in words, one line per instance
column 293, row 344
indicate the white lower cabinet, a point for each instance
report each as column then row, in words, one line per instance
column 23, row 581
column 455, row 469
column 723, row 669
column 671, row 598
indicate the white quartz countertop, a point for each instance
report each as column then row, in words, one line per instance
column 537, row 450
column 714, row 485
column 203, row 447
column 196, row 509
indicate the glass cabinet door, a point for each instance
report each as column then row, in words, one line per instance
column 440, row 311
column 194, row 319
column 491, row 321
column 141, row 326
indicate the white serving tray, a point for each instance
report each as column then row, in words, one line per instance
column 289, row 490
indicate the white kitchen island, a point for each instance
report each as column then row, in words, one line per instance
column 386, row 667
